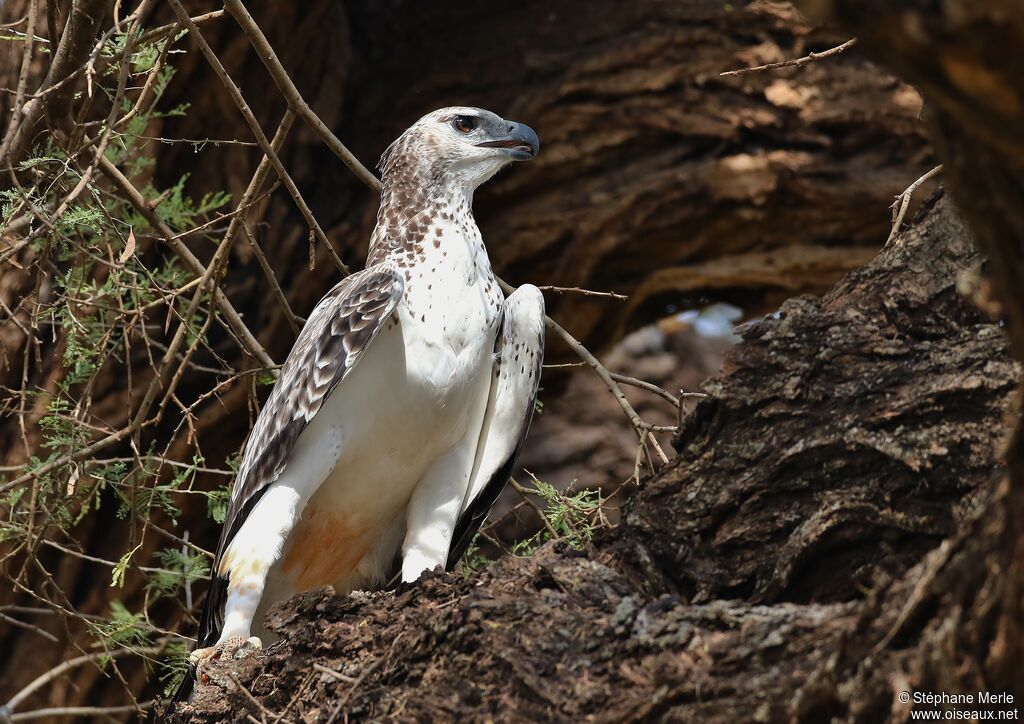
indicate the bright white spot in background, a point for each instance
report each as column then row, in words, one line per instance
column 714, row 320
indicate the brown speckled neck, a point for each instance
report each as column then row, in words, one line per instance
column 414, row 202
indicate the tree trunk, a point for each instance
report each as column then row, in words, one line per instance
column 844, row 465
column 765, row 575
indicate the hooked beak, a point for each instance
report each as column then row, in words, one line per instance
column 521, row 142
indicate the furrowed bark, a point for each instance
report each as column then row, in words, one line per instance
column 774, row 572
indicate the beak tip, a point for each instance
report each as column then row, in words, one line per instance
column 522, row 142
column 529, row 138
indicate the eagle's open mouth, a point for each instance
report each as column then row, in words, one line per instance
column 515, row 145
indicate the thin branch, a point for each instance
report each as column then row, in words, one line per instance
column 170, row 27
column 581, row 292
column 525, row 495
column 261, row 138
column 114, row 564
column 903, row 201
column 29, row 627
column 656, row 444
column 337, row 675
column 191, row 141
column 634, row 382
column 583, row 353
column 16, row 23
column 291, row 94
column 796, row 62
column 294, row 321
column 86, row 711
column 64, row 667
column 264, row 712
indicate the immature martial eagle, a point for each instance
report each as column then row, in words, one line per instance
column 401, row 409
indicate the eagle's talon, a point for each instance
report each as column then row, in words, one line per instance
column 201, row 656
column 248, row 647
column 233, row 647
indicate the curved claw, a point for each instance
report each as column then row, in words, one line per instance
column 233, row 647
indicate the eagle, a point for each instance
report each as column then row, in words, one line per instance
column 400, row 411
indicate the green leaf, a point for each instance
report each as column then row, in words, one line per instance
column 117, row 575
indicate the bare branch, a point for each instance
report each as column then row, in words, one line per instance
column 903, row 201
column 796, row 62
column 86, row 711
column 581, row 292
column 634, row 382
column 64, row 667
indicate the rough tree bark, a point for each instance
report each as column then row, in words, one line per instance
column 850, row 435
column 765, row 575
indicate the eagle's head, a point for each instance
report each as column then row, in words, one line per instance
column 458, row 146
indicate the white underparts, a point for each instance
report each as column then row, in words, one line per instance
column 405, row 441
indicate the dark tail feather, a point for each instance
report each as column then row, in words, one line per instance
column 184, row 691
column 210, row 624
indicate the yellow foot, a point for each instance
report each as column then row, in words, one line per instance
column 233, row 647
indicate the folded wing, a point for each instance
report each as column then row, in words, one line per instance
column 519, row 356
column 331, row 343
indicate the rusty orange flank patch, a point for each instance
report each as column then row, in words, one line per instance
column 325, row 549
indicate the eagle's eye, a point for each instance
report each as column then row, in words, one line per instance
column 464, row 124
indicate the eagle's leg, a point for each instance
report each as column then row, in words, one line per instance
column 433, row 511
column 246, row 562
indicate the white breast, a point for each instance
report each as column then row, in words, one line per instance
column 405, row 405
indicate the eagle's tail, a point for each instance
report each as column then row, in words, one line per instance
column 211, row 621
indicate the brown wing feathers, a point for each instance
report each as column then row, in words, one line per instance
column 338, row 331
column 341, row 327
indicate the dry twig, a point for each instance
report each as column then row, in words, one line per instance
column 902, row 203
column 796, row 62
column 581, row 292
